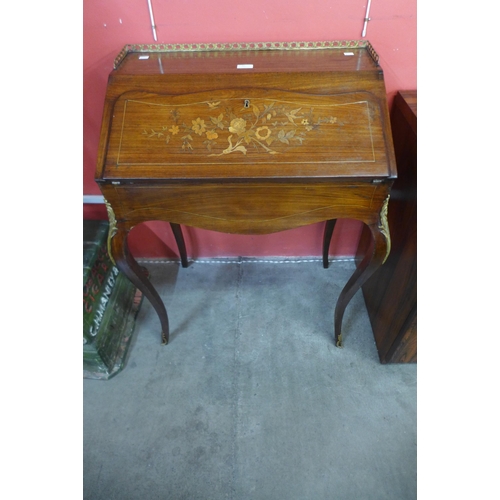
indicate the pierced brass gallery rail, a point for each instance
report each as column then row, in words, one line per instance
column 240, row 46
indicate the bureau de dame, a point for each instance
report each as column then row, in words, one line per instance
column 249, row 139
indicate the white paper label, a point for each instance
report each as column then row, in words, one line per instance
column 244, row 66
column 143, row 57
column 348, row 53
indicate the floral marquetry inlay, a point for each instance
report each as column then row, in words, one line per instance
column 214, row 128
column 224, row 129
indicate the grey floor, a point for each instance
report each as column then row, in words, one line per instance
column 250, row 399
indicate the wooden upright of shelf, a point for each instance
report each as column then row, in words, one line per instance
column 391, row 292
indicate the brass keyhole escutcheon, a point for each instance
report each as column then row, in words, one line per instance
column 246, row 103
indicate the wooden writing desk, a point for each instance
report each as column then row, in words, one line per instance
column 249, row 139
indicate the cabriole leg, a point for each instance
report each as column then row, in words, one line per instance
column 327, row 238
column 179, row 238
column 119, row 252
column 374, row 258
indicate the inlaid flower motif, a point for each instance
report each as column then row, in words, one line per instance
column 211, row 134
column 198, row 126
column 305, row 121
column 174, row 130
column 238, row 126
column 263, row 133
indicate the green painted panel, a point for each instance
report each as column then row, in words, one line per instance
column 110, row 305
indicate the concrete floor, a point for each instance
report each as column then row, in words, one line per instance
column 250, row 399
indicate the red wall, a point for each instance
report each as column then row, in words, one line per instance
column 111, row 24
